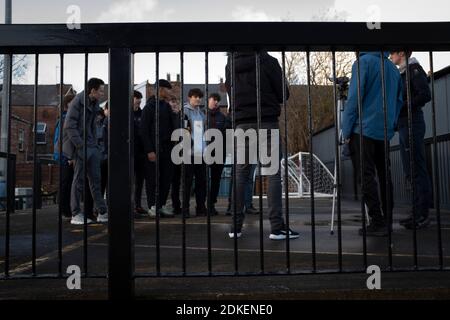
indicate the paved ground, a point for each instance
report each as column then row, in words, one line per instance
column 222, row 253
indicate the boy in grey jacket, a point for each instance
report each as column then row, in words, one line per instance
column 73, row 148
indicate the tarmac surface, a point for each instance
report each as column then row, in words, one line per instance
column 325, row 284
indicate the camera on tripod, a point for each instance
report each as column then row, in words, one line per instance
column 342, row 86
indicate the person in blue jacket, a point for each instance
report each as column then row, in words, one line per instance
column 373, row 136
column 67, row 166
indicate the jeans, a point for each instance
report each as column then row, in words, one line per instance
column 93, row 158
column 274, row 191
column 165, row 177
column 423, row 193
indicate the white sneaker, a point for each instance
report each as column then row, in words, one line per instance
column 152, row 212
column 102, row 218
column 79, row 219
column 165, row 212
column 231, row 235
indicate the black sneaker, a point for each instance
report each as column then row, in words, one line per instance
column 421, row 223
column 282, row 235
column 214, row 212
column 229, row 210
column 201, row 211
column 186, row 214
column 375, row 230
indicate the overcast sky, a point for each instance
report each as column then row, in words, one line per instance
column 55, row 11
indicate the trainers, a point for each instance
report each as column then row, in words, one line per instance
column 229, row 210
column 375, row 230
column 282, row 235
column 152, row 212
column 214, row 211
column 421, row 223
column 238, row 234
column 79, row 220
column 102, row 218
column 201, row 211
column 164, row 212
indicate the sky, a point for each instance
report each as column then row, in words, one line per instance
column 59, row 11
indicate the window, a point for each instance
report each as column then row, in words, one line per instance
column 21, row 141
column 41, row 134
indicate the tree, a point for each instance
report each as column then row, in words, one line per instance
column 321, row 69
column 19, row 67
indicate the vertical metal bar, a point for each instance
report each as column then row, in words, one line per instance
column 388, row 213
column 437, row 196
column 183, row 175
column 233, row 121
column 61, row 125
column 35, row 165
column 120, row 173
column 258, row 148
column 157, row 147
column 208, row 169
column 411, row 159
column 286, row 166
column 85, row 182
column 337, row 141
column 311, row 164
column 10, row 187
column 361, row 159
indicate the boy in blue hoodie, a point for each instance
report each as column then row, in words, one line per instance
column 372, row 119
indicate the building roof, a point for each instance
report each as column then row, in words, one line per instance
column 48, row 94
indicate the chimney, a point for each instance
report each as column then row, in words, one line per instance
column 178, row 77
column 221, row 80
column 168, row 77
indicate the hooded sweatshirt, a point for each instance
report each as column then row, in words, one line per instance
column 197, row 123
column 420, row 90
column 372, row 98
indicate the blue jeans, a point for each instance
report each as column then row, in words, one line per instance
column 423, row 193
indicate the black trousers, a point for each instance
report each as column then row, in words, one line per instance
column 216, row 175
column 175, row 187
column 139, row 177
column 103, row 185
column 374, row 167
column 165, row 178
column 67, row 178
column 197, row 171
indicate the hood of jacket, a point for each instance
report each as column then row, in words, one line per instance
column 411, row 61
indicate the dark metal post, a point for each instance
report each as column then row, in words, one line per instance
column 258, row 148
column 85, row 182
column 388, row 213
column 361, row 159
column 120, row 182
column 311, row 164
column 10, row 182
column 208, row 167
column 412, row 168
column 286, row 165
column 337, row 141
column 36, row 192
column 436, row 184
column 61, row 125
